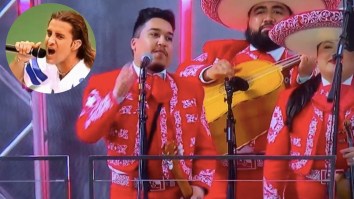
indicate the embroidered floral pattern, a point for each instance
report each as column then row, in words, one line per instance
column 191, row 118
column 275, row 125
column 123, row 133
column 298, row 164
column 210, row 8
column 98, row 107
column 117, row 148
column 190, row 71
column 189, row 103
column 192, row 144
column 120, row 162
column 296, row 141
column 205, row 176
column 201, row 57
column 314, row 175
column 329, row 135
column 125, row 110
column 269, row 192
column 307, row 20
column 120, row 179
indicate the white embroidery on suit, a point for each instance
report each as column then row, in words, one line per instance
column 189, row 103
column 298, row 164
column 275, row 125
column 120, row 179
column 163, row 126
column 269, row 192
column 191, row 118
column 117, row 148
column 190, row 71
column 205, row 176
column 126, row 110
column 314, row 175
column 99, row 107
column 192, row 142
column 295, row 141
column 123, row 133
column 201, row 57
column 329, row 135
column 174, row 99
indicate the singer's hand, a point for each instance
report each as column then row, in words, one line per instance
column 307, row 66
column 198, row 192
column 124, row 82
column 348, row 154
column 219, row 70
column 21, row 58
column 24, row 48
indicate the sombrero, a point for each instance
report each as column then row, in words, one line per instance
column 303, row 32
column 234, row 13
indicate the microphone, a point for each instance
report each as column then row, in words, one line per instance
column 36, row 52
column 238, row 84
column 145, row 60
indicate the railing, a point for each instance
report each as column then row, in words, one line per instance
column 20, row 180
column 103, row 177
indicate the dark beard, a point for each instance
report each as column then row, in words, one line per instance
column 260, row 40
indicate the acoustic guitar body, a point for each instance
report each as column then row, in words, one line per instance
column 252, row 108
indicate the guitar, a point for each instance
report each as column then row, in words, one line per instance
column 265, row 82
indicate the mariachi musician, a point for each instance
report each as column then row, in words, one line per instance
column 250, row 59
column 303, row 118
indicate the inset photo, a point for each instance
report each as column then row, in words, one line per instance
column 50, row 48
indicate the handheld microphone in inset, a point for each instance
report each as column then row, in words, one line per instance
column 36, row 52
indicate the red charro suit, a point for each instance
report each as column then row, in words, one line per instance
column 251, row 116
column 181, row 120
column 311, row 135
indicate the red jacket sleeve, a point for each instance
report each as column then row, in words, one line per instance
column 98, row 108
column 212, row 50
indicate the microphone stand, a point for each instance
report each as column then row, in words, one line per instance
column 143, row 185
column 230, row 139
column 232, row 85
column 334, row 94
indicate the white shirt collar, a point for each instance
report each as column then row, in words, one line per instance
column 276, row 54
column 137, row 70
column 346, row 82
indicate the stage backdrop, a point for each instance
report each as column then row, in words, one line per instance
column 112, row 23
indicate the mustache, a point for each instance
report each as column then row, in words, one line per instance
column 266, row 24
column 162, row 50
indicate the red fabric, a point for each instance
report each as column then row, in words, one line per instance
column 251, row 116
column 181, row 120
column 310, row 136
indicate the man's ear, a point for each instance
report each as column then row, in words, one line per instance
column 76, row 44
column 133, row 44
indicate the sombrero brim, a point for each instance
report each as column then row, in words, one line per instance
column 234, row 13
column 303, row 32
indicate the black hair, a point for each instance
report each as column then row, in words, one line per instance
column 299, row 98
column 149, row 13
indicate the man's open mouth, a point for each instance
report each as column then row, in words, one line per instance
column 51, row 51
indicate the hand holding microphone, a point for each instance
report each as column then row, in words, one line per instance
column 25, row 50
